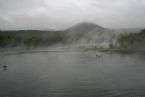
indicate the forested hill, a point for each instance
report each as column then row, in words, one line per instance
column 31, row 38
column 132, row 40
column 85, row 32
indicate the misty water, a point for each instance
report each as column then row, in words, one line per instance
column 72, row 74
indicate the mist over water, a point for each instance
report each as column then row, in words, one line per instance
column 72, row 48
column 72, row 74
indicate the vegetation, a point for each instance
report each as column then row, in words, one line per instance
column 31, row 38
column 85, row 33
column 134, row 41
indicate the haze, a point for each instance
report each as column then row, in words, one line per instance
column 61, row 14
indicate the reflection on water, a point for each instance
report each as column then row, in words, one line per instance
column 4, row 67
column 72, row 74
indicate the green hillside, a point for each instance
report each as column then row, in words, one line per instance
column 132, row 41
column 31, row 38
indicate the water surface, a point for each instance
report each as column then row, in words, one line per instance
column 72, row 74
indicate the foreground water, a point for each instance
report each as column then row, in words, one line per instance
column 72, row 74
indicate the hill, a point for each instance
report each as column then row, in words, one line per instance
column 90, row 34
column 135, row 41
column 31, row 38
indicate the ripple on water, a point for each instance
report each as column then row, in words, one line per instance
column 72, row 74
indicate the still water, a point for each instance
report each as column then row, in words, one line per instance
column 72, row 74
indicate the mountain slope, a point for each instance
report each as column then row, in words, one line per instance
column 84, row 27
column 88, row 33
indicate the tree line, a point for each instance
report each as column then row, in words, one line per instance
column 132, row 40
column 31, row 38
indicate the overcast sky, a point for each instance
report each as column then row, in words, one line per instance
column 60, row 14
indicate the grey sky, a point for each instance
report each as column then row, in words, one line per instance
column 60, row 14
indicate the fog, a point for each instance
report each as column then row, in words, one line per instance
column 61, row 14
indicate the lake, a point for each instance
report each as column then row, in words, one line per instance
column 72, row 74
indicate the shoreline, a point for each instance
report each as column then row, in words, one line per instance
column 118, row 50
column 9, row 51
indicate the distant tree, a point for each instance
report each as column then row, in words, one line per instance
column 31, row 38
column 142, row 32
column 132, row 40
